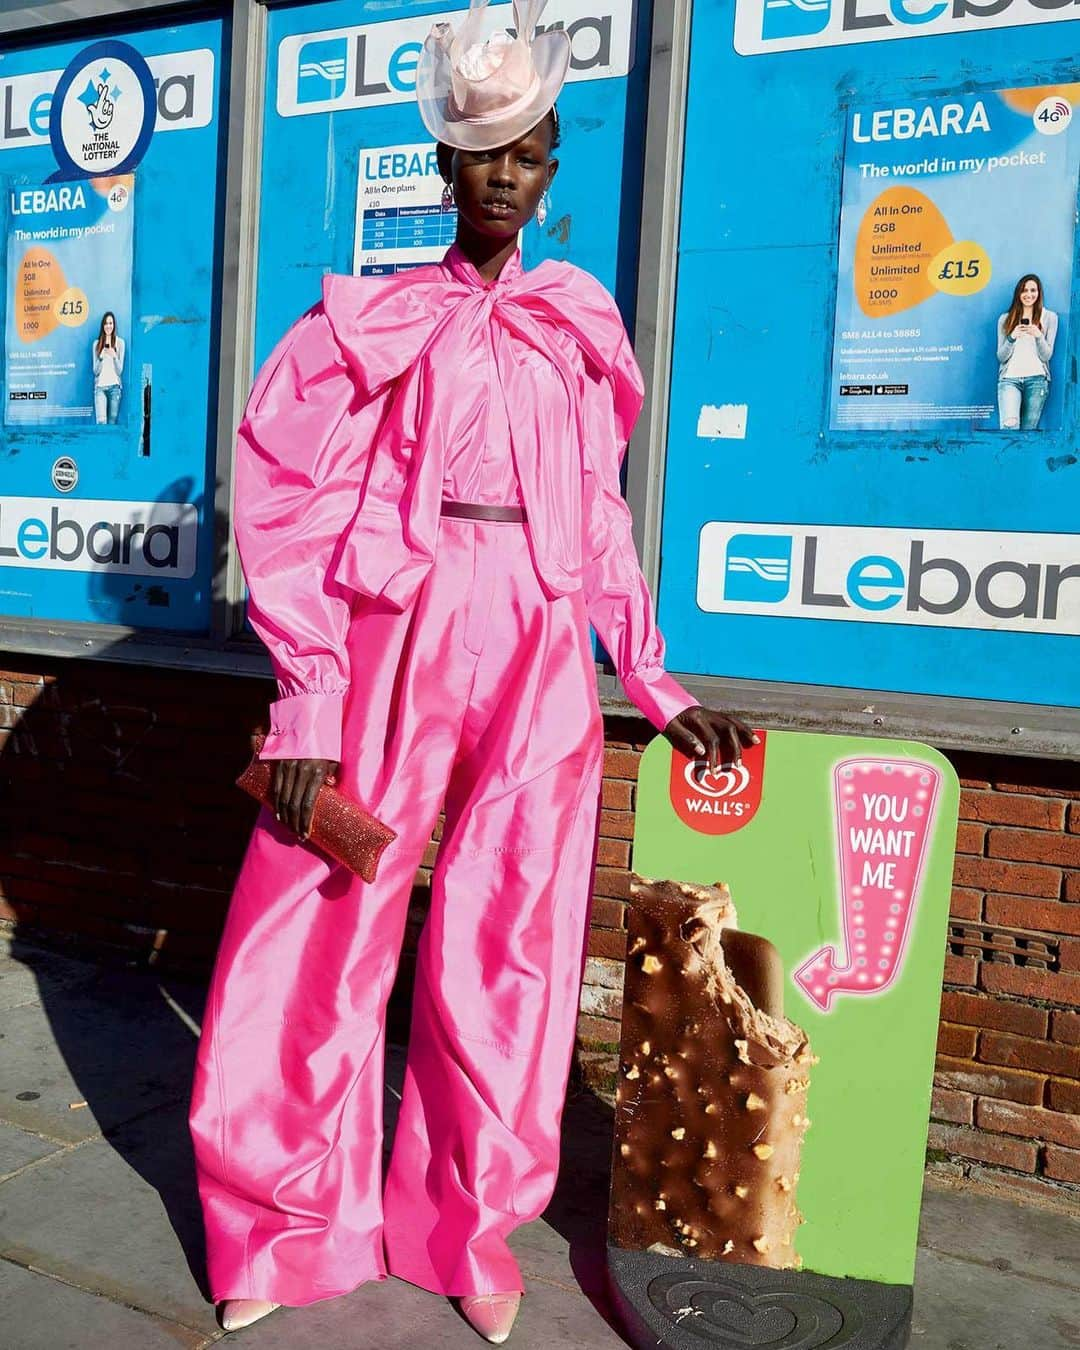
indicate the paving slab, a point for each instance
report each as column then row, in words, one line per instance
column 1001, row 1235
column 118, row 1217
column 44, row 1314
column 30, row 974
column 113, row 1042
column 20, row 1147
column 395, row 1316
column 960, row 1305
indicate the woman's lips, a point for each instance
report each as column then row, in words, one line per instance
column 499, row 209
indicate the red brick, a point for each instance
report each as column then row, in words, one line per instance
column 612, row 882
column 976, row 1010
column 617, row 824
column 616, row 794
column 1000, row 808
column 597, row 1031
column 1063, row 1164
column 1023, row 911
column 947, row 1104
column 1065, row 1027
column 621, row 764
column 607, row 942
column 1074, row 818
column 957, row 1041
column 1048, row 986
column 970, row 838
column 613, row 853
column 1069, row 954
column 960, row 970
column 21, row 677
column 1036, row 1187
column 1028, row 1122
column 991, row 874
column 1063, row 1094
column 608, row 913
column 965, row 904
column 1038, row 777
column 972, row 769
column 989, row 1148
column 990, row 1080
column 1020, row 1052
column 1072, row 885
column 1040, row 846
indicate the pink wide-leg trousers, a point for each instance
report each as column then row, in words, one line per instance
column 481, row 697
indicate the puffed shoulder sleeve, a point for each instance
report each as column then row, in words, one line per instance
column 301, row 455
column 619, row 604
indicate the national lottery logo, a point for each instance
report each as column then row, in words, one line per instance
column 758, row 567
column 321, row 70
column 794, row 18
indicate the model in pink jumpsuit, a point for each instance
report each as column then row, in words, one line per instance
column 447, row 663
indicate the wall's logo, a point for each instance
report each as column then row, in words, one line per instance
column 793, row 18
column 720, row 802
column 995, row 579
column 321, row 70
column 758, row 567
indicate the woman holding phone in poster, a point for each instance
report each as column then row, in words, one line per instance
column 108, row 358
column 1025, row 344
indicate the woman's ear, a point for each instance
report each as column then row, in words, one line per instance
column 444, row 157
column 553, row 169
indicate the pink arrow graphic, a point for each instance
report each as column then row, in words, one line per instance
column 884, row 813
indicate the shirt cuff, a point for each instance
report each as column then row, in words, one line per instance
column 658, row 695
column 305, row 726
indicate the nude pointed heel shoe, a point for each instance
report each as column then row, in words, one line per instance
column 235, row 1313
column 490, row 1315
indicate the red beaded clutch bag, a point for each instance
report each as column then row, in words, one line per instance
column 339, row 826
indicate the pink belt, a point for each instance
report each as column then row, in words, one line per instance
column 481, row 511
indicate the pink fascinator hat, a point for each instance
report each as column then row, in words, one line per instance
column 479, row 95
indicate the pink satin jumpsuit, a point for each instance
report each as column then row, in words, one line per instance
column 476, row 694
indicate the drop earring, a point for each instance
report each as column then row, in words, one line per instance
column 542, row 209
column 448, row 197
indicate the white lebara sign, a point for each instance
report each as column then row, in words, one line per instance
column 145, row 539
column 996, row 579
column 791, row 25
column 373, row 64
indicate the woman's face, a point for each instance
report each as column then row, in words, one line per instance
column 110, row 324
column 1029, row 293
column 497, row 191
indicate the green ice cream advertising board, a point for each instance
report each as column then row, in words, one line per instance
column 787, row 933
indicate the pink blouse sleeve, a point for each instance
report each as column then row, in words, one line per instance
column 301, row 456
column 619, row 604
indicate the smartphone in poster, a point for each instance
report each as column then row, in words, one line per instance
column 402, row 217
column 955, row 262
column 67, row 335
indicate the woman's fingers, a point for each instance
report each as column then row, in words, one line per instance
column 286, row 770
column 314, row 782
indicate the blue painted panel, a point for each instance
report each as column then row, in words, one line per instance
column 754, row 325
column 311, row 162
column 175, row 308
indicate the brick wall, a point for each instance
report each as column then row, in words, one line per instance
column 121, row 828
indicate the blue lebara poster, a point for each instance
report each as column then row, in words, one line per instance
column 956, row 255
column 67, row 338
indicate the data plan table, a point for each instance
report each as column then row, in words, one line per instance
column 393, row 229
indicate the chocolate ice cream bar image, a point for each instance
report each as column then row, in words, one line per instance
column 711, row 1104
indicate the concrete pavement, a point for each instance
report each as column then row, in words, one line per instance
column 101, row 1236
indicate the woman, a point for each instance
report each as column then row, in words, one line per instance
column 1025, row 344
column 108, row 361
column 428, row 514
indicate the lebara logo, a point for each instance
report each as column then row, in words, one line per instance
column 758, row 567
column 321, row 70
column 793, row 18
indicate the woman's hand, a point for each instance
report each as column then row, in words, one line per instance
column 294, row 786
column 697, row 732
column 1020, row 329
